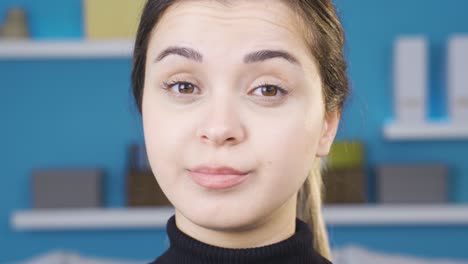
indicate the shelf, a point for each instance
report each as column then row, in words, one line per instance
column 392, row 215
column 69, row 219
column 137, row 218
column 56, row 49
column 433, row 130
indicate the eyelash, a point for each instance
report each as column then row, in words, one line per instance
column 168, row 85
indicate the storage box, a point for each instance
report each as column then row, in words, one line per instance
column 344, row 178
column 67, row 188
column 144, row 190
column 412, row 184
column 111, row 19
column 345, row 185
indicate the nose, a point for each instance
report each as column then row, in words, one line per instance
column 221, row 125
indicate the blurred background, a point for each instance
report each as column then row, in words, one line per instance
column 75, row 179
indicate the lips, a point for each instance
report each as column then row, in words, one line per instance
column 212, row 177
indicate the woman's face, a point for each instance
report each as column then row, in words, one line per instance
column 232, row 85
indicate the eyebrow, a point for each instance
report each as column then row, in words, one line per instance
column 181, row 51
column 253, row 57
column 263, row 55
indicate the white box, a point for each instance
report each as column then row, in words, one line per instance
column 410, row 79
column 457, row 79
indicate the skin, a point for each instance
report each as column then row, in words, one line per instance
column 227, row 119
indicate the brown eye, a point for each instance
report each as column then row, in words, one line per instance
column 185, row 88
column 269, row 90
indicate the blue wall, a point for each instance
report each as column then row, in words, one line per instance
column 371, row 28
column 78, row 113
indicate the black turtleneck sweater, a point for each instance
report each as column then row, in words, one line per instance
column 184, row 249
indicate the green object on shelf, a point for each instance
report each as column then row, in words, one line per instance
column 346, row 154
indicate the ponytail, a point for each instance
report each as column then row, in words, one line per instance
column 309, row 209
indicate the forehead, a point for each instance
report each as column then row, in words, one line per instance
column 268, row 11
column 228, row 28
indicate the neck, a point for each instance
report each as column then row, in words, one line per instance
column 272, row 229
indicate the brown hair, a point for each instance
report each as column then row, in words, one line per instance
column 323, row 34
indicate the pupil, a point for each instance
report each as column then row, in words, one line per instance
column 269, row 90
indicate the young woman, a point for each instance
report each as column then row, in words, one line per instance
column 240, row 100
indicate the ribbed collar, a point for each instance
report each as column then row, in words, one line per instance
column 295, row 249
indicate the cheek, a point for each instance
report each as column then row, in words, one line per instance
column 287, row 148
column 162, row 134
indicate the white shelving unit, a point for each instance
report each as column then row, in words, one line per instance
column 69, row 219
column 396, row 215
column 137, row 218
column 57, row 49
column 433, row 130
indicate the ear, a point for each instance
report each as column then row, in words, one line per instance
column 330, row 127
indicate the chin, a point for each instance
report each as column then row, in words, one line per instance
column 220, row 219
column 230, row 224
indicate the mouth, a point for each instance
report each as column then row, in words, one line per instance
column 217, row 177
